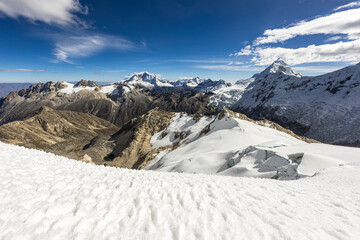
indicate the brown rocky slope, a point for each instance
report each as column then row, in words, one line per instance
column 61, row 132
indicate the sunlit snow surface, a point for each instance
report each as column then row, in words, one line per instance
column 241, row 148
column 43, row 196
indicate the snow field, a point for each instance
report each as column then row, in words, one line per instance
column 241, row 148
column 43, row 196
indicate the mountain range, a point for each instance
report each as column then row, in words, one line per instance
column 149, row 122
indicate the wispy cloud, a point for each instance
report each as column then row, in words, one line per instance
column 20, row 70
column 342, row 25
column 79, row 67
column 335, row 38
column 337, row 52
column 350, row 5
column 73, row 38
column 59, row 12
column 344, row 22
column 78, row 46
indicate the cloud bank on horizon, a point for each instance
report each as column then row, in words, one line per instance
column 340, row 27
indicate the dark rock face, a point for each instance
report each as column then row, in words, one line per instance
column 269, row 113
column 85, row 83
column 40, row 88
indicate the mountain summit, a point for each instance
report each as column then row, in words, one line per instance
column 147, row 80
column 280, row 66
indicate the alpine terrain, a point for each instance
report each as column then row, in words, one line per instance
column 179, row 120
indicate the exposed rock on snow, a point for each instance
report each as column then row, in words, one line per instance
column 188, row 82
column 147, row 80
column 278, row 67
column 132, row 148
column 228, row 95
column 325, row 107
column 84, row 83
column 232, row 144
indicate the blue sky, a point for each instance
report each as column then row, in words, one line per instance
column 104, row 40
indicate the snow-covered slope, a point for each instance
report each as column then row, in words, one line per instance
column 70, row 88
column 228, row 95
column 231, row 144
column 74, row 88
column 146, row 80
column 43, row 196
column 278, row 67
column 325, row 107
column 188, row 82
column 211, row 85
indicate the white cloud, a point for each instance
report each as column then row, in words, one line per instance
column 343, row 26
column 331, row 39
column 69, row 47
column 249, row 68
column 20, row 70
column 235, row 63
column 350, row 5
column 337, row 52
column 246, row 51
column 61, row 12
column 344, row 22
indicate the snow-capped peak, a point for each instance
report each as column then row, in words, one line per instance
column 147, row 80
column 188, row 82
column 280, row 66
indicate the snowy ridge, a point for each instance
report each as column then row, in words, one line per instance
column 327, row 104
column 146, row 80
column 229, row 95
column 227, row 144
column 72, row 88
column 44, row 196
column 280, row 66
column 188, row 82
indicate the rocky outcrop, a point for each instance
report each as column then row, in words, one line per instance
column 132, row 142
column 61, row 132
column 117, row 109
column 87, row 138
column 85, row 83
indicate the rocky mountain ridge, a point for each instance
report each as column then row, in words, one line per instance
column 140, row 143
column 325, row 107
